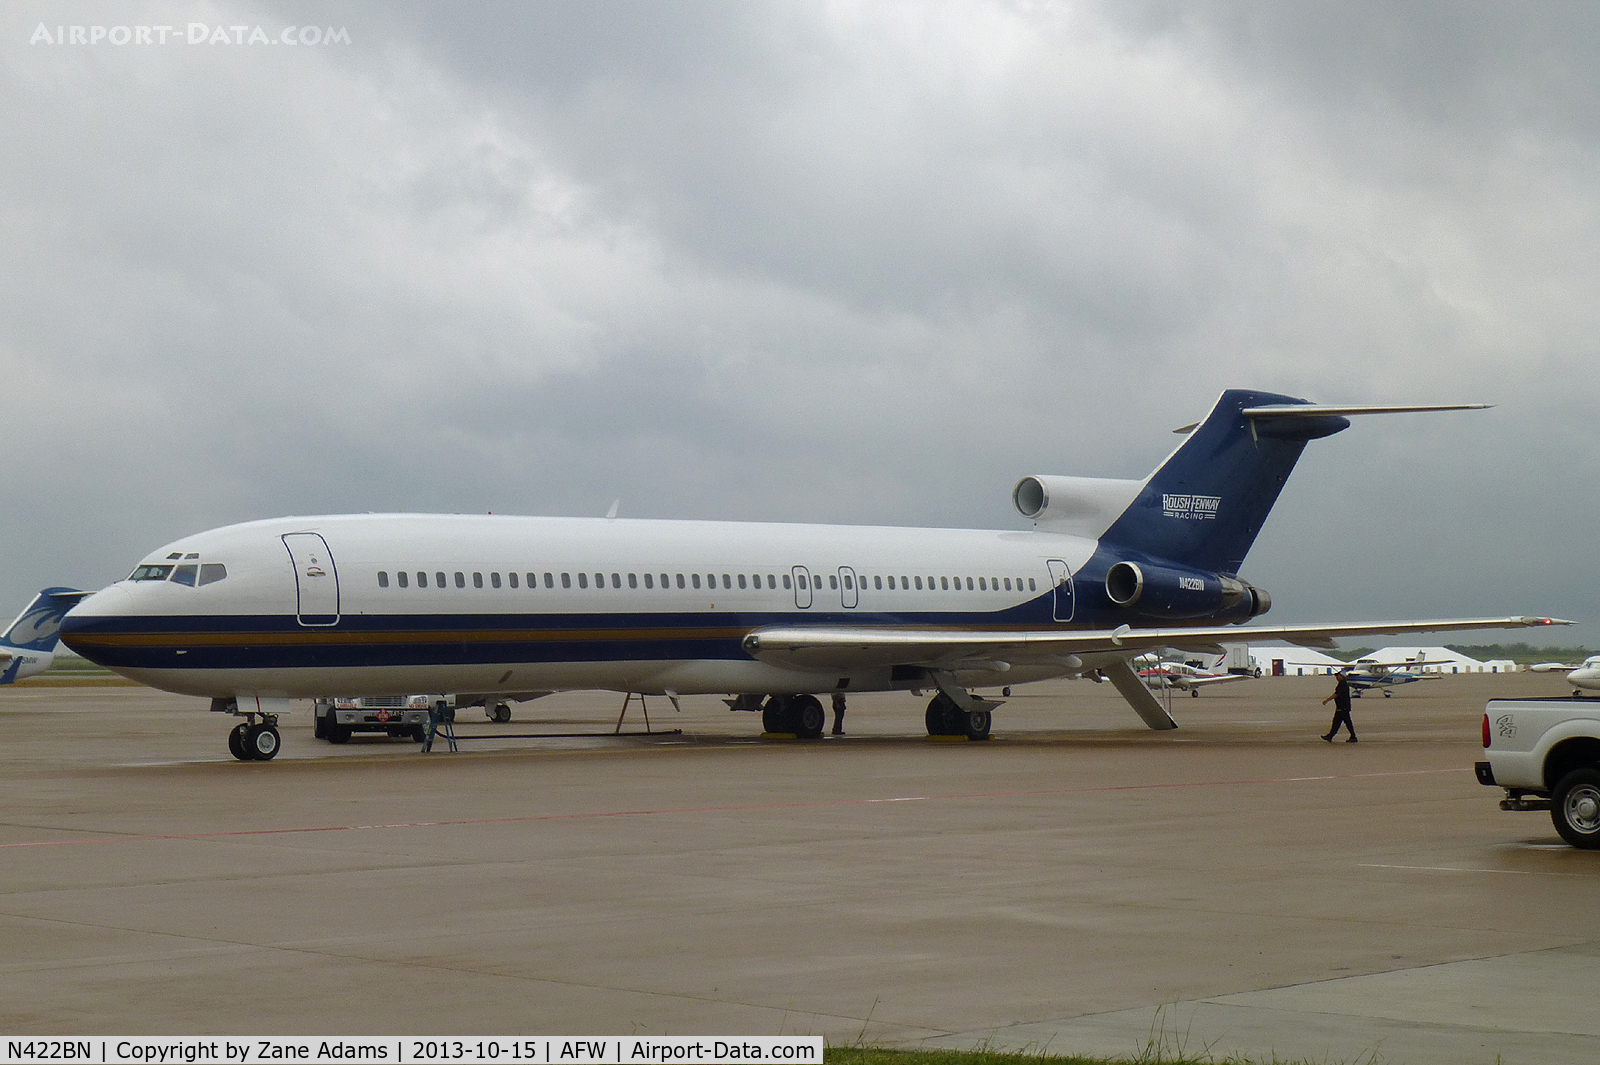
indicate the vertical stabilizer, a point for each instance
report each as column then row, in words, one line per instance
column 1205, row 505
column 36, row 627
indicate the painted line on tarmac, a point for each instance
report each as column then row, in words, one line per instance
column 1458, row 869
column 236, row 833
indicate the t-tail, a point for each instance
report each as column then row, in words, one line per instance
column 1171, row 546
column 1204, row 506
column 29, row 645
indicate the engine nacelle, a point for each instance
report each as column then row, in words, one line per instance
column 1083, row 506
column 1167, row 591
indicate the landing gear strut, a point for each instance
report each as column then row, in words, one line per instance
column 255, row 739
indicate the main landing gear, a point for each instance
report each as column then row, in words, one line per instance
column 945, row 718
column 801, row 715
column 255, row 739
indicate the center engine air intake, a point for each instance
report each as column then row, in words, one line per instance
column 1164, row 591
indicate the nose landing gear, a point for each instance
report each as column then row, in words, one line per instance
column 256, row 738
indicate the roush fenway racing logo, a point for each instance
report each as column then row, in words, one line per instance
column 1196, row 507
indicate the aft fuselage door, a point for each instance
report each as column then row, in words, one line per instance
column 1061, row 580
column 802, row 587
column 315, row 578
column 849, row 593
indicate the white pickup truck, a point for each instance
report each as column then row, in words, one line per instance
column 1546, row 754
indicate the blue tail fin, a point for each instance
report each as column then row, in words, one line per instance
column 35, row 629
column 1205, row 505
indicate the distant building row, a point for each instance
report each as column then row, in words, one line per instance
column 1304, row 662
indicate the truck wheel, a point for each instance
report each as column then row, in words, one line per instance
column 1575, row 808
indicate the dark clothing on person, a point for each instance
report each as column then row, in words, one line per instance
column 1341, row 710
column 838, row 713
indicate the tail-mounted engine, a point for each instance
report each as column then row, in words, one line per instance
column 1168, row 591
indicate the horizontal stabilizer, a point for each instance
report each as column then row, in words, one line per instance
column 1316, row 410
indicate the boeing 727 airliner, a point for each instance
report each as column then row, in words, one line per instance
column 773, row 615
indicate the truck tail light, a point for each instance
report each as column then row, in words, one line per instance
column 1486, row 730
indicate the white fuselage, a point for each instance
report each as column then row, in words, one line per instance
column 349, row 605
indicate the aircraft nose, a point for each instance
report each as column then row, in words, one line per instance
column 90, row 615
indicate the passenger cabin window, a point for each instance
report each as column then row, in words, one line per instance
column 383, row 579
column 649, row 581
column 633, row 580
column 477, row 580
column 1030, row 585
column 494, row 579
column 184, row 575
column 666, row 583
column 422, row 579
column 401, row 578
column 549, row 580
column 694, row 578
column 680, row 581
column 785, row 582
column 461, row 579
column 512, row 577
column 616, row 581
column 438, row 579
column 566, row 579
column 741, row 580
column 583, row 580
column 772, row 582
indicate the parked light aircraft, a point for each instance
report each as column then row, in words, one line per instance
column 1580, row 677
column 1184, row 677
column 253, row 615
column 1365, row 674
column 29, row 645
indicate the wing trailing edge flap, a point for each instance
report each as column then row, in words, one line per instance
column 840, row 647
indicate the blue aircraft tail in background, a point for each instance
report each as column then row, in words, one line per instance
column 29, row 645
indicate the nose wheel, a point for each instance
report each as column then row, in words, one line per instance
column 254, row 741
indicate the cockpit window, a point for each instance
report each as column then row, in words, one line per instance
column 183, row 575
column 212, row 572
column 150, row 573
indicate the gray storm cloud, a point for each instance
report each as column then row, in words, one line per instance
column 841, row 262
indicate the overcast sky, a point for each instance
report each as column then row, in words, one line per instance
column 866, row 263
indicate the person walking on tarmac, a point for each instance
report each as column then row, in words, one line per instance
column 838, row 713
column 1341, row 709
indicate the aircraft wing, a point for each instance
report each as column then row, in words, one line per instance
column 1215, row 678
column 835, row 647
column 1552, row 667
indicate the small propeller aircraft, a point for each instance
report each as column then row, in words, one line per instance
column 1366, row 674
column 1183, row 676
column 1580, row 677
